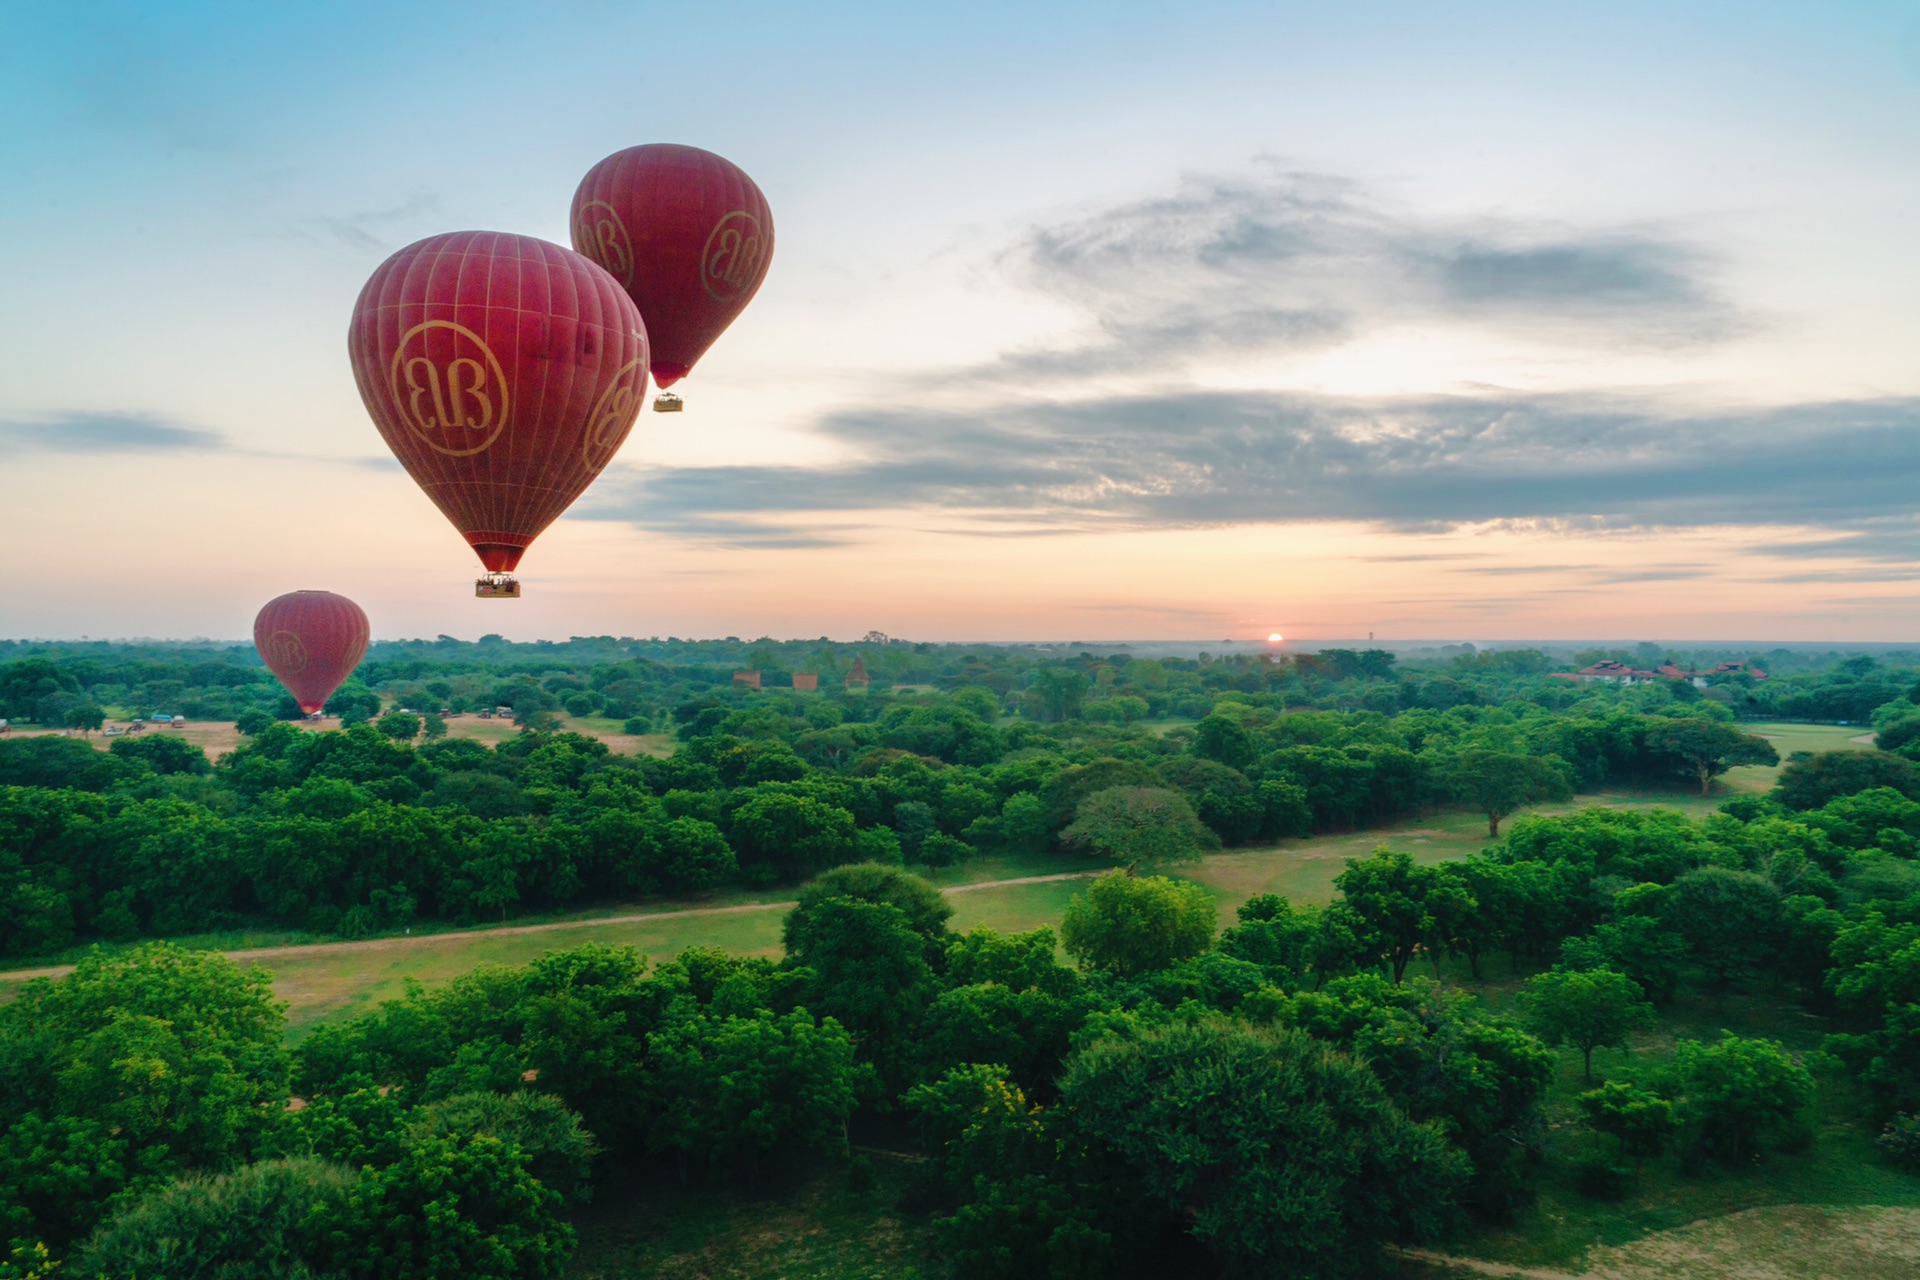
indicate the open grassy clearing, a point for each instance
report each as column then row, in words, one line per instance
column 218, row 737
column 1789, row 738
column 215, row 737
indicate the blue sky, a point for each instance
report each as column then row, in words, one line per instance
column 1122, row 320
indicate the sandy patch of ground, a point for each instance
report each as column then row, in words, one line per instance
column 1780, row 1242
column 215, row 737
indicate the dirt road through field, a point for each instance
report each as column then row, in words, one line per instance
column 553, row 926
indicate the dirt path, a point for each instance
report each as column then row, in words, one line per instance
column 1447, row 1264
column 462, row 935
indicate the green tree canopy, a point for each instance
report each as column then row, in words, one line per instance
column 1708, row 748
column 1137, row 826
column 250, row 1224
column 1283, row 1155
column 455, row 1206
column 1738, row 1095
column 1131, row 925
column 1586, row 1008
column 1498, row 783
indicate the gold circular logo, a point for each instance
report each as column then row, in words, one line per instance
column 449, row 388
column 613, row 415
column 287, row 652
column 599, row 233
column 735, row 252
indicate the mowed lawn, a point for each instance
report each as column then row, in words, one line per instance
column 333, row 981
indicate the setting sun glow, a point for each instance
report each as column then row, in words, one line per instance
column 1275, row 638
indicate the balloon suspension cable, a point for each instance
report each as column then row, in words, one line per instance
column 668, row 402
column 497, row 586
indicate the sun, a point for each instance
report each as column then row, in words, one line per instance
column 1276, row 638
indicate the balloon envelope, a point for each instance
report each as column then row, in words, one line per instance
column 312, row 640
column 503, row 372
column 686, row 233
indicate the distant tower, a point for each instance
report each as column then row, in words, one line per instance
column 858, row 676
column 806, row 682
column 748, row 679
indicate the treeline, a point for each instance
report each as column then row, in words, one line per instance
column 1289, row 1097
column 641, row 681
column 354, row 832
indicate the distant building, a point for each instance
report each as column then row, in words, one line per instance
column 1620, row 673
column 806, row 682
column 747, row 679
column 858, row 676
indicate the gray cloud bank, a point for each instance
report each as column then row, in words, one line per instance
column 1254, row 266
column 102, row 433
column 1201, row 458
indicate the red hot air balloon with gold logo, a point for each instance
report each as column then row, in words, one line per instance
column 311, row 640
column 503, row 372
column 687, row 234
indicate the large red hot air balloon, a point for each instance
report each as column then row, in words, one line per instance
column 312, row 640
column 686, row 233
column 503, row 372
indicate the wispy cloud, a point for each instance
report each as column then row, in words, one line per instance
column 1284, row 259
column 380, row 230
column 103, row 433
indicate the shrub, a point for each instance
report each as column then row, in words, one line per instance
column 1901, row 1141
column 237, row 1226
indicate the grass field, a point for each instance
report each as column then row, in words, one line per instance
column 331, row 981
column 217, row 737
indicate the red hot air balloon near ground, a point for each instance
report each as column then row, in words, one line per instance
column 687, row 234
column 312, row 640
column 503, row 372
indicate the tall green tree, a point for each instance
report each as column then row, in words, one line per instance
column 1389, row 896
column 1641, row 1120
column 1146, row 827
column 735, row 1089
column 1586, row 1008
column 1131, row 925
column 1498, row 783
column 868, row 969
column 464, row 1207
column 1738, row 1095
column 1283, row 1155
column 1708, row 748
